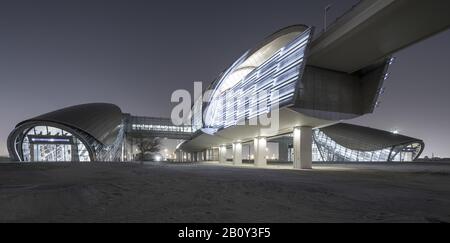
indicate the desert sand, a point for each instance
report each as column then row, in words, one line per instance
column 161, row 192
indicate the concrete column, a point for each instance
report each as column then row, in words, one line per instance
column 283, row 150
column 132, row 150
column 222, row 154
column 260, row 145
column 237, row 153
column 303, row 148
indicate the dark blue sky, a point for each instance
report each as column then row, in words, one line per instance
column 136, row 53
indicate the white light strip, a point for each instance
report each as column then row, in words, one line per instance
column 277, row 74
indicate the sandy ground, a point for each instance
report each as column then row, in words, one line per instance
column 117, row 192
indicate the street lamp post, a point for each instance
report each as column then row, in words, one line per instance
column 327, row 8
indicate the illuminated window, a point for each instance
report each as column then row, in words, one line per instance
column 51, row 144
column 269, row 76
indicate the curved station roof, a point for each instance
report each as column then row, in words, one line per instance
column 96, row 126
column 96, row 119
column 256, row 63
column 346, row 142
column 257, row 56
column 366, row 139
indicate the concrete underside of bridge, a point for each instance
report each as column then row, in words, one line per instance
column 375, row 30
column 290, row 122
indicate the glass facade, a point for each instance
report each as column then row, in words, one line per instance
column 156, row 127
column 112, row 151
column 138, row 128
column 252, row 88
column 407, row 153
column 326, row 149
column 162, row 128
column 51, row 144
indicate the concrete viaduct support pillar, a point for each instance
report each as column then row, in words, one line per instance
column 283, row 150
column 222, row 154
column 180, row 156
column 260, row 147
column 237, row 153
column 208, row 155
column 303, row 148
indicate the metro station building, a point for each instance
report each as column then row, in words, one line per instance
column 312, row 83
column 101, row 132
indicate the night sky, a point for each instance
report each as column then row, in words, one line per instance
column 134, row 54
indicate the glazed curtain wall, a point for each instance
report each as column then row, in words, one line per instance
column 326, row 149
column 245, row 93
